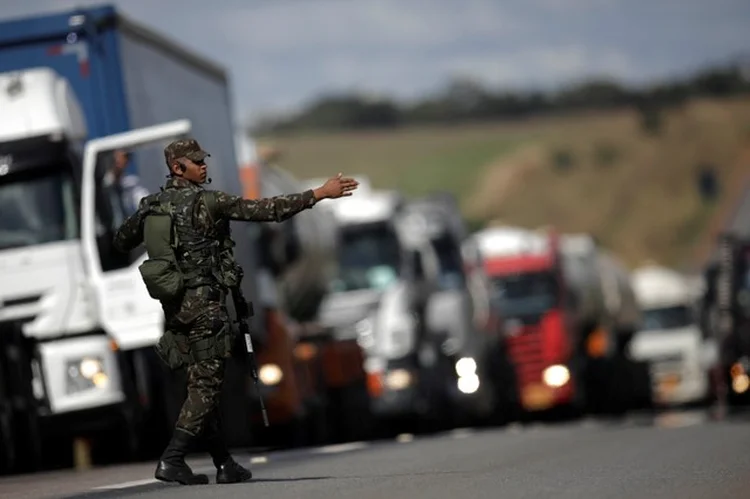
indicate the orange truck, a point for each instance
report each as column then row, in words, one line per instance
column 313, row 384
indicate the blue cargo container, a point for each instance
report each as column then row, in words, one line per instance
column 127, row 77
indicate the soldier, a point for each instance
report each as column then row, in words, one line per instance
column 190, row 269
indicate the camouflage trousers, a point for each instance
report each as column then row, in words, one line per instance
column 201, row 407
column 209, row 322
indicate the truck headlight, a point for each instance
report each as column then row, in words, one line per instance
column 556, row 376
column 398, row 379
column 466, row 367
column 468, row 384
column 740, row 383
column 84, row 374
column 270, row 374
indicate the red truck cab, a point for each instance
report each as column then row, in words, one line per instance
column 531, row 293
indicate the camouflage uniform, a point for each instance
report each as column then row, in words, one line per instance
column 204, row 255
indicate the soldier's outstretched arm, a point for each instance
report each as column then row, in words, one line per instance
column 280, row 208
column 130, row 234
column 275, row 209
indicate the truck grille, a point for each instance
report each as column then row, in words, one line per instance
column 526, row 353
column 23, row 300
column 666, row 364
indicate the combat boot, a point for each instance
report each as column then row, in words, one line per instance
column 227, row 469
column 232, row 472
column 172, row 466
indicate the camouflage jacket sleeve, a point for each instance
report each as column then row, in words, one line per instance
column 275, row 209
column 130, row 234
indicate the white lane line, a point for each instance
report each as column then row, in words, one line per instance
column 147, row 481
column 461, row 433
column 514, row 428
column 335, row 449
column 679, row 420
column 404, row 438
column 589, row 422
column 125, row 485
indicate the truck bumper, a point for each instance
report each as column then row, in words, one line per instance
column 675, row 389
column 474, row 395
column 399, row 389
column 540, row 397
column 77, row 374
column 83, row 421
column 398, row 403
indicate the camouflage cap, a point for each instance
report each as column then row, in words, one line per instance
column 184, row 148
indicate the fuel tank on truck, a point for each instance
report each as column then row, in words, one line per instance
column 303, row 248
column 602, row 282
column 580, row 256
column 620, row 300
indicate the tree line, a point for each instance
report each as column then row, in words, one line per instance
column 464, row 100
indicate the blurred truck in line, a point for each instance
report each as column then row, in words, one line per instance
column 569, row 314
column 670, row 339
column 313, row 383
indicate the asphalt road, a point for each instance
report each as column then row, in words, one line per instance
column 681, row 455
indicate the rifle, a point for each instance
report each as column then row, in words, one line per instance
column 243, row 309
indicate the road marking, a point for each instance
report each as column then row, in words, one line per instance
column 335, row 449
column 679, row 420
column 147, row 481
column 589, row 422
column 404, row 438
column 125, row 485
column 461, row 433
column 514, row 428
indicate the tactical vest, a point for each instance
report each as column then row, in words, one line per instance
column 197, row 251
column 202, row 254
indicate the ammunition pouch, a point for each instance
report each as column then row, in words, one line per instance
column 173, row 349
column 215, row 346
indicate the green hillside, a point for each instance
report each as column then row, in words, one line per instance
column 597, row 172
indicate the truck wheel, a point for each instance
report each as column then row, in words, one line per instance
column 622, row 387
column 508, row 407
column 606, row 387
column 118, row 443
column 19, row 423
column 350, row 413
column 316, row 428
column 7, row 449
column 167, row 393
column 641, row 379
column 20, row 443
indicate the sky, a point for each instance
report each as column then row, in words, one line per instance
column 282, row 54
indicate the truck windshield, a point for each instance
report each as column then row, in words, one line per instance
column 657, row 319
column 369, row 258
column 525, row 295
column 450, row 261
column 37, row 208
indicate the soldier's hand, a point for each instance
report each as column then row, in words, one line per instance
column 336, row 187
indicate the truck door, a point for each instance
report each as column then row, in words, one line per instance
column 125, row 310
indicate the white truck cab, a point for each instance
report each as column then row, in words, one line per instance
column 64, row 316
column 669, row 337
column 44, row 290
